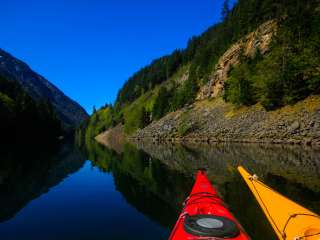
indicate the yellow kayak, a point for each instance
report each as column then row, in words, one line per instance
column 289, row 220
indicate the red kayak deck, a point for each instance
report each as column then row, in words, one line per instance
column 205, row 215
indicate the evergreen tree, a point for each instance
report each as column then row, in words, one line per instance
column 144, row 118
column 161, row 105
column 186, row 94
column 238, row 88
column 225, row 11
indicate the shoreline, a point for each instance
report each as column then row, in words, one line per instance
column 209, row 140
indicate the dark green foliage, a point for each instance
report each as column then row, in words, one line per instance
column 238, row 88
column 22, row 119
column 178, row 97
column 144, row 118
column 225, row 10
column 162, row 103
column 290, row 71
column 138, row 119
column 186, row 94
column 148, row 77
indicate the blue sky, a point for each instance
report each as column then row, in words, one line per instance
column 89, row 48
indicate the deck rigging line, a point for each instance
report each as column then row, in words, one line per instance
column 253, row 180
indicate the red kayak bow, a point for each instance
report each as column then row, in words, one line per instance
column 205, row 216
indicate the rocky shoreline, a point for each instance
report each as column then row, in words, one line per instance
column 216, row 121
column 209, row 140
column 113, row 138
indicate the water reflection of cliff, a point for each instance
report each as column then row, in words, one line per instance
column 26, row 175
column 297, row 164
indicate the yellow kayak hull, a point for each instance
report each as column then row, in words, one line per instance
column 289, row 220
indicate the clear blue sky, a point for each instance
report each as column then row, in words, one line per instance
column 89, row 48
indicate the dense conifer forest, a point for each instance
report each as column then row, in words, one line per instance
column 24, row 120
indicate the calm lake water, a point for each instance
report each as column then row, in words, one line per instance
column 136, row 191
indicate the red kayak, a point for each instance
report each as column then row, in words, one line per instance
column 205, row 215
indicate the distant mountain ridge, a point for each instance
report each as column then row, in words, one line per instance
column 69, row 112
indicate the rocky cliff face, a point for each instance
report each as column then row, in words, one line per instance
column 39, row 88
column 257, row 40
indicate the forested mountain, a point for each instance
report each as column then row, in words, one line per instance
column 23, row 120
column 70, row 113
column 282, row 73
column 300, row 25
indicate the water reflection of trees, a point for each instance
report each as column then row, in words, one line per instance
column 297, row 164
column 157, row 178
column 146, row 183
column 25, row 175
